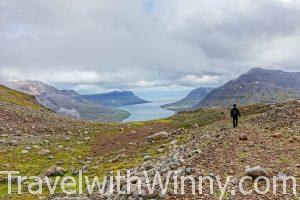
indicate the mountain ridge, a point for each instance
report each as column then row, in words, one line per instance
column 255, row 86
column 68, row 102
column 116, row 98
column 193, row 98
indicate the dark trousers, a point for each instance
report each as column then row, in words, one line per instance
column 235, row 122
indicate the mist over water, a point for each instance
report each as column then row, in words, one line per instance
column 152, row 110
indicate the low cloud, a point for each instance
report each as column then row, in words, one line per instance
column 69, row 112
column 192, row 80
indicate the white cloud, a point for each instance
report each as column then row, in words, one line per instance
column 146, row 43
column 62, row 76
column 192, row 80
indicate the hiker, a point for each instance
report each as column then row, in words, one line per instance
column 235, row 114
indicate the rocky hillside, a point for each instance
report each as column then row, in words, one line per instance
column 68, row 102
column 192, row 99
column 255, row 86
column 115, row 99
column 36, row 141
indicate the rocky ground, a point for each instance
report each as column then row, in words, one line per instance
column 37, row 142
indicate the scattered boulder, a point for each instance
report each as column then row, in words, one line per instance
column 146, row 158
column 44, row 152
column 277, row 135
column 197, row 151
column 13, row 143
column 195, row 126
column 148, row 167
column 55, row 171
column 243, row 137
column 25, row 151
column 256, row 172
column 190, row 170
column 84, row 169
column 158, row 136
column 173, row 142
column 160, row 150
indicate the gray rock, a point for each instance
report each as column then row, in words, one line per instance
column 256, row 172
column 13, row 143
column 160, row 150
column 190, row 170
column 44, row 152
column 243, row 137
column 158, row 136
column 54, row 171
column 25, row 151
column 146, row 158
column 173, row 142
column 195, row 126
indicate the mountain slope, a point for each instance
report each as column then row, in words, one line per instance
column 193, row 98
column 115, row 99
column 255, row 86
column 18, row 98
column 68, row 102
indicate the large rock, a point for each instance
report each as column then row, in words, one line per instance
column 243, row 137
column 277, row 135
column 44, row 152
column 146, row 158
column 55, row 171
column 158, row 136
column 256, row 172
column 195, row 126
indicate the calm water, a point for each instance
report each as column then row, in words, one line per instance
column 150, row 111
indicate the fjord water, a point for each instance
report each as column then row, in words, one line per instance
column 152, row 110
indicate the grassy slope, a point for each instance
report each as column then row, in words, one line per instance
column 19, row 98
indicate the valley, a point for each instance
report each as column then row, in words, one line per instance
column 200, row 142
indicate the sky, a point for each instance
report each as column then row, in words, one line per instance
column 101, row 45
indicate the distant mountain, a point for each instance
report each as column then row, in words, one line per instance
column 115, row 99
column 256, row 86
column 192, row 99
column 68, row 102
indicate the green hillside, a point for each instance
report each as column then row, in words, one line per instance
column 19, row 98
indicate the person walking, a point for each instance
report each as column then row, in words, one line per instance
column 235, row 114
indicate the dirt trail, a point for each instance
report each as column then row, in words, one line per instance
column 128, row 138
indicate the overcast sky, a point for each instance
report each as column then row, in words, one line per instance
column 97, row 45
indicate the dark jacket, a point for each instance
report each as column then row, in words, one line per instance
column 235, row 113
